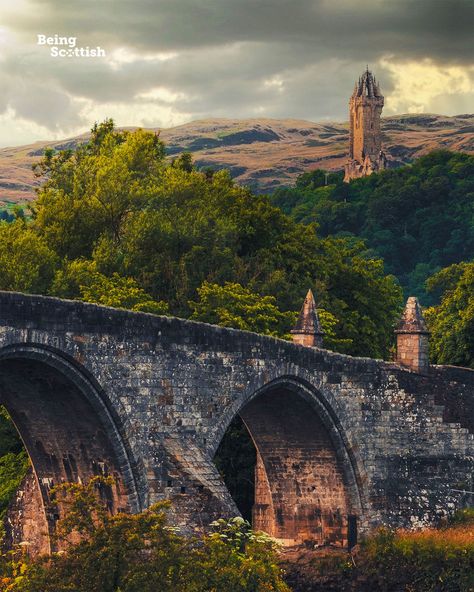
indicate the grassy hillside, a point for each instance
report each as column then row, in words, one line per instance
column 262, row 153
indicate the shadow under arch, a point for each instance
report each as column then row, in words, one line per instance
column 68, row 430
column 308, row 481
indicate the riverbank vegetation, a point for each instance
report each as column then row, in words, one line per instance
column 142, row 553
column 429, row 560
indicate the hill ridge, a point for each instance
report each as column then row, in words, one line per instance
column 263, row 153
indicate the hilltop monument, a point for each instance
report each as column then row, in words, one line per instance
column 365, row 149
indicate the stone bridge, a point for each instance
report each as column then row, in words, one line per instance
column 343, row 444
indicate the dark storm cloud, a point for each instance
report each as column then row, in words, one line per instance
column 233, row 58
column 440, row 29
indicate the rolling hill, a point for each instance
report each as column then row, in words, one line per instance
column 262, row 153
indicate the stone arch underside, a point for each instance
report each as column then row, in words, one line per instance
column 68, row 437
column 305, row 489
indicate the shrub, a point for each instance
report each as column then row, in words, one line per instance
column 141, row 553
column 430, row 560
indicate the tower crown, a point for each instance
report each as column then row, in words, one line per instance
column 367, row 86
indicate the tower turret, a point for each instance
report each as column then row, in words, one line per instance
column 307, row 330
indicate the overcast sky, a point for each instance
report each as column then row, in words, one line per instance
column 172, row 61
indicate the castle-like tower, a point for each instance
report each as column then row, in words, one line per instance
column 365, row 151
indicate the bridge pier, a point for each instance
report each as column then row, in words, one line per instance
column 301, row 490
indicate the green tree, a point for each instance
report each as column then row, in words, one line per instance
column 14, row 463
column 151, row 232
column 452, row 321
column 235, row 460
column 121, row 292
column 141, row 553
column 13, row 468
column 232, row 305
column 26, row 261
column 418, row 218
column 80, row 279
column 90, row 192
column 318, row 178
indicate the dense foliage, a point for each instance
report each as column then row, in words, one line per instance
column 425, row 561
column 429, row 560
column 13, row 463
column 452, row 321
column 5, row 215
column 232, row 305
column 140, row 553
column 115, row 223
column 418, row 218
column 235, row 460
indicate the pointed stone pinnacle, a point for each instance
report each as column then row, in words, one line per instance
column 307, row 330
column 412, row 320
column 413, row 338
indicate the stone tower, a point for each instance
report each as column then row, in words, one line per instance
column 307, row 330
column 365, row 149
column 413, row 338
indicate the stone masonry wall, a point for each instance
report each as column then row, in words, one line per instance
column 165, row 390
column 25, row 521
column 413, row 350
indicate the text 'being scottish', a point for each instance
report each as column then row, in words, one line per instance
column 66, row 47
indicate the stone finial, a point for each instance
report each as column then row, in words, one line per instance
column 412, row 320
column 413, row 338
column 307, row 330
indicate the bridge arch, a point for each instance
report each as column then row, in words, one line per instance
column 308, row 480
column 68, row 429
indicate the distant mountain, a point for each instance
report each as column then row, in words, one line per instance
column 263, row 153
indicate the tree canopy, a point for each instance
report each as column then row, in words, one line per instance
column 417, row 218
column 452, row 321
column 13, row 463
column 117, row 224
